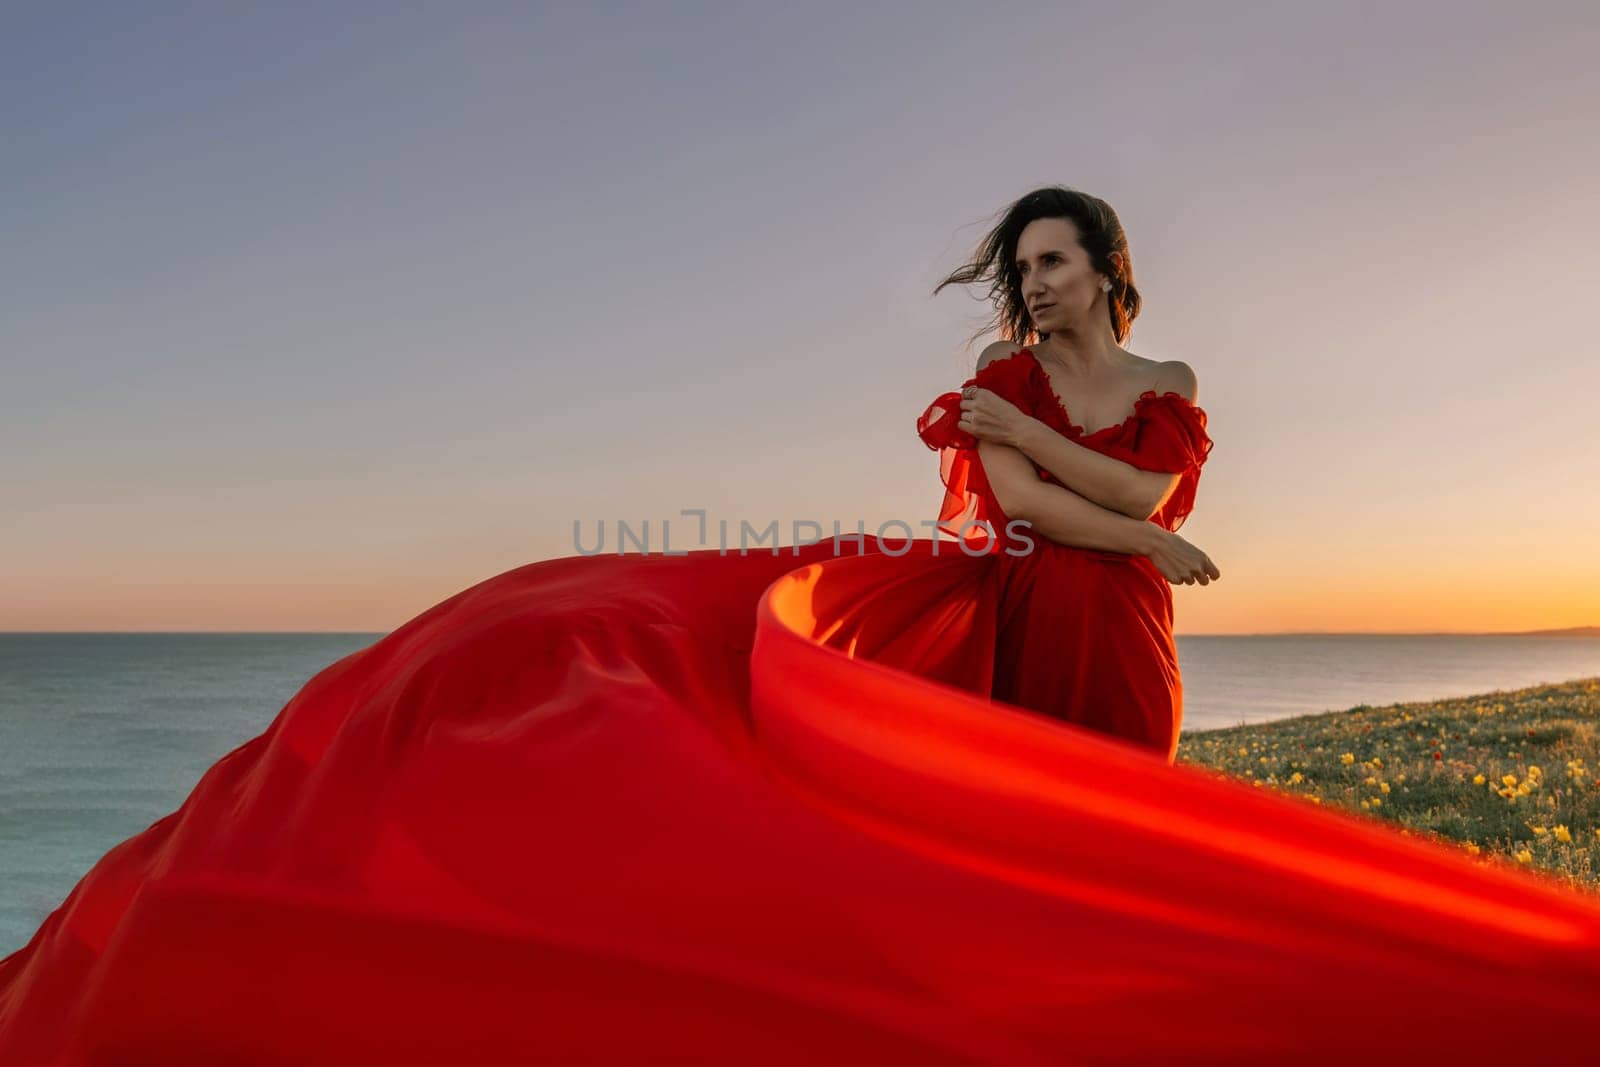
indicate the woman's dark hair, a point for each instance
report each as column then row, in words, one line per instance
column 1099, row 232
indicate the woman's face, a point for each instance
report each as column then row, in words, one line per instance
column 1059, row 287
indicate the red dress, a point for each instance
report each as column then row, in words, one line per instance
column 1085, row 635
column 732, row 809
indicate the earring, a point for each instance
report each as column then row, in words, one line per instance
column 1105, row 285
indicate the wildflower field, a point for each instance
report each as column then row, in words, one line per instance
column 1509, row 776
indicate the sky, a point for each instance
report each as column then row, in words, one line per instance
column 312, row 316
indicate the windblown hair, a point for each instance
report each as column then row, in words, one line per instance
column 1099, row 232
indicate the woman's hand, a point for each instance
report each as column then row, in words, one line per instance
column 988, row 416
column 1180, row 562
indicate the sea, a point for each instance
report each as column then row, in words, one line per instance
column 103, row 734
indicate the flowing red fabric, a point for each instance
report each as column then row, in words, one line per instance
column 725, row 808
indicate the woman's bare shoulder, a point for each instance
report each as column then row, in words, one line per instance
column 998, row 350
column 1176, row 376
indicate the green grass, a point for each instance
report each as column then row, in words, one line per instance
column 1416, row 765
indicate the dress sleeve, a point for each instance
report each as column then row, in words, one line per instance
column 968, row 499
column 1173, row 438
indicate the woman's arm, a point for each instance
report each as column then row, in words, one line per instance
column 1060, row 514
column 1068, row 519
column 1109, row 483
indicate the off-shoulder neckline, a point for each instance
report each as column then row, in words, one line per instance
column 1066, row 416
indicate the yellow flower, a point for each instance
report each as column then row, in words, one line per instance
column 1524, row 856
column 1523, row 790
column 1540, row 830
column 1243, row 751
column 1478, row 779
column 1366, row 803
column 1534, row 772
column 1296, row 778
column 1377, row 802
column 1347, row 758
column 1383, row 786
column 1473, row 850
column 1378, row 763
column 1563, row 835
column 1509, row 779
column 1370, row 780
column 1318, row 800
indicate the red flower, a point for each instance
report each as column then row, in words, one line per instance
column 1437, row 754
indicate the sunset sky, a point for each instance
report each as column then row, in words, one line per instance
column 310, row 320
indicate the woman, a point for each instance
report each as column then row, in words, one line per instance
column 713, row 808
column 1096, row 448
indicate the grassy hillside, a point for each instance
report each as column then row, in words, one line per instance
column 1511, row 776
